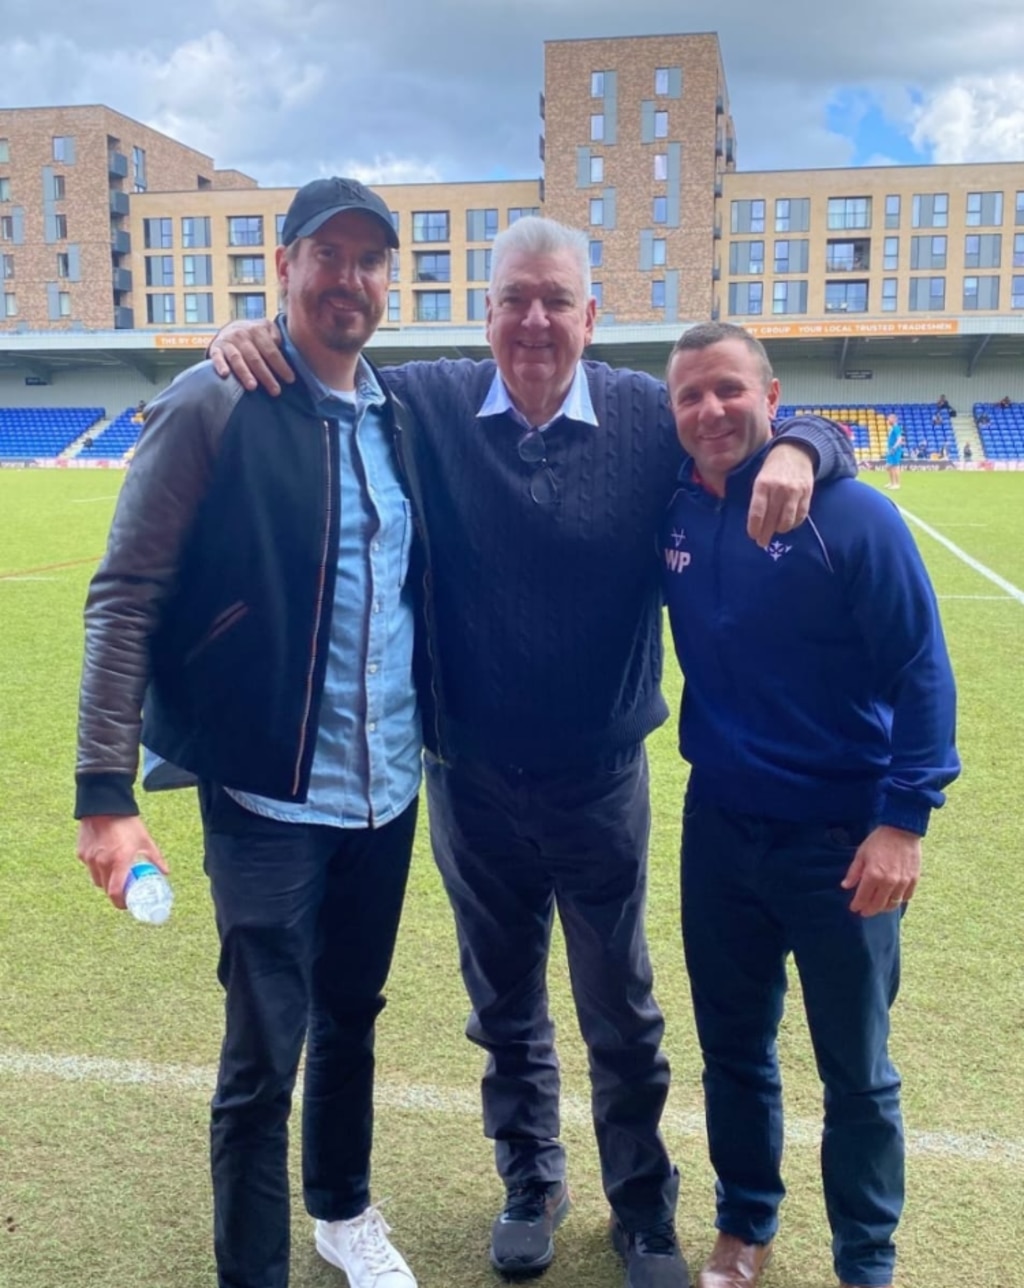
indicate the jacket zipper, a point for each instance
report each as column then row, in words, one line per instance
column 318, row 614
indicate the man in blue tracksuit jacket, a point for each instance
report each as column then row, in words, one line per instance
column 818, row 718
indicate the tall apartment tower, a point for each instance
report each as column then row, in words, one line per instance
column 637, row 138
column 67, row 175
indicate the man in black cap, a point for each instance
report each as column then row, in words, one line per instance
column 255, row 595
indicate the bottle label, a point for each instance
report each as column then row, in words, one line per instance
column 138, row 871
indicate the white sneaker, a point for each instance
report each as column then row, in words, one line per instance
column 362, row 1249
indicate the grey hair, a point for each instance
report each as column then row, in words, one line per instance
column 706, row 334
column 535, row 235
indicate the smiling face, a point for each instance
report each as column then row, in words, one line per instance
column 538, row 322
column 723, row 406
column 336, row 287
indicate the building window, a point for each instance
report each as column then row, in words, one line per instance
column 927, row 294
column 596, row 211
column 6, row 228
column 659, row 210
column 197, row 270
column 891, row 255
column 658, row 251
column 1017, row 293
column 279, row 228
column 159, row 270
column 597, row 84
column 597, row 293
column 661, row 125
column 195, row 231
column 746, row 257
column 847, row 256
column 63, row 148
column 60, row 227
column 396, row 264
column 792, row 214
column 396, row 219
column 1018, row 216
column 521, row 212
column 394, row 306
column 246, row 270
column 748, row 216
column 930, row 210
column 928, row 252
column 658, row 293
column 596, row 127
column 746, row 299
column 5, row 189
column 597, row 169
column 160, row 309
column 245, row 230
column 5, row 151
column 157, row 234
column 660, row 166
column 849, row 212
column 63, row 264
column 139, row 169
column 198, row 307
column 981, row 293
column 984, row 209
column 846, row 297
column 892, row 211
column 596, row 253
column 889, row 299
column 476, row 304
column 432, row 266
column 661, row 80
column 6, row 267
column 249, row 306
column 60, row 190
column 10, row 304
column 1018, row 250
column 478, row 266
column 433, row 306
column 789, row 297
column 64, row 304
column 432, row 225
column 983, row 250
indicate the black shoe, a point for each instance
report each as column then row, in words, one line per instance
column 652, row 1256
column 522, row 1238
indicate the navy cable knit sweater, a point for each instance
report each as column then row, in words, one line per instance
column 547, row 617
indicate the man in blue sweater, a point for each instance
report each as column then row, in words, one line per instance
column 544, row 482
column 818, row 718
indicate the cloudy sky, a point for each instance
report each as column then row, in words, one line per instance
column 407, row 90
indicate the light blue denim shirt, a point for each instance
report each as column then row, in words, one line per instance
column 577, row 405
column 366, row 765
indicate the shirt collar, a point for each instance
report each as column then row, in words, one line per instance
column 577, row 404
column 368, row 391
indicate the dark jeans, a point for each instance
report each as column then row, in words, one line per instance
column 755, row 889
column 512, row 846
column 307, row 918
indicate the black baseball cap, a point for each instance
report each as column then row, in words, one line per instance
column 318, row 201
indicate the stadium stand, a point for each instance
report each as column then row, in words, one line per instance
column 921, row 424
column 1001, row 430
column 119, row 437
column 28, row 432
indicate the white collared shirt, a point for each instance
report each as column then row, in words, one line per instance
column 577, row 404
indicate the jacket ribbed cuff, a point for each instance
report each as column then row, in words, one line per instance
column 104, row 794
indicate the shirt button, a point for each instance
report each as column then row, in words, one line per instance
column 376, row 605
column 372, row 726
column 372, row 668
column 376, row 546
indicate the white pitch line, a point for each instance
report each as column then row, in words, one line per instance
column 999, row 599
column 16, row 578
column 426, row 1098
column 1013, row 591
column 85, row 500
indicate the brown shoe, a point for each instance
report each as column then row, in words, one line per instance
column 734, row 1264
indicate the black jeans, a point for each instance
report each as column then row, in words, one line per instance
column 307, row 918
column 511, row 846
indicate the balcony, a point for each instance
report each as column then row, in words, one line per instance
column 120, row 241
column 718, row 187
column 542, row 106
column 119, row 204
column 719, row 105
column 247, row 279
column 540, row 147
column 718, row 230
column 122, row 279
column 716, row 273
column 719, row 144
column 117, row 165
column 851, row 255
column 730, row 151
column 124, row 318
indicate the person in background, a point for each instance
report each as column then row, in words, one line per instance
column 256, row 595
column 894, row 449
column 544, row 480
column 818, row 719
column 968, row 453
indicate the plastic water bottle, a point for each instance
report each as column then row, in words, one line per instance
column 147, row 893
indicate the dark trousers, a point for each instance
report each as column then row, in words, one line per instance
column 307, row 918
column 511, row 847
column 754, row 890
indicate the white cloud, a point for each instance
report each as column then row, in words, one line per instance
column 974, row 118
